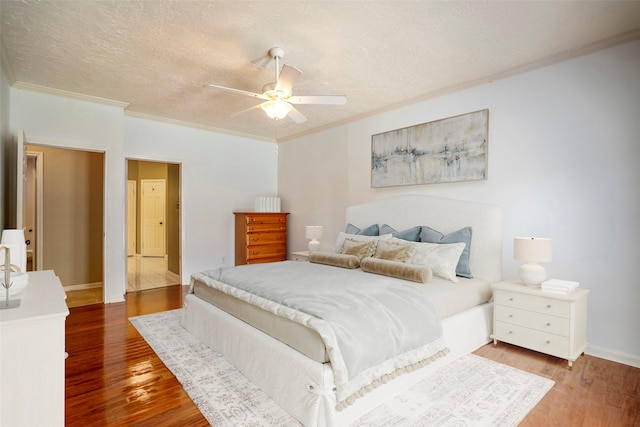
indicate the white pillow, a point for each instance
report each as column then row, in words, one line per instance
column 442, row 259
column 356, row 237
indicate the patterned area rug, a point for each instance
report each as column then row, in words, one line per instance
column 472, row 391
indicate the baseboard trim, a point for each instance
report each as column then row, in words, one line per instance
column 82, row 286
column 614, row 356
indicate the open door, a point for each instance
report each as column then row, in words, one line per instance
column 17, row 182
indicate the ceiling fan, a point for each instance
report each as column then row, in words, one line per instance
column 278, row 96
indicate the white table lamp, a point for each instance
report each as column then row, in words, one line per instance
column 314, row 233
column 14, row 239
column 532, row 250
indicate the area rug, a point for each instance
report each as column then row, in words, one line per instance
column 472, row 391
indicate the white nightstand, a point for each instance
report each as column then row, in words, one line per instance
column 302, row 256
column 550, row 323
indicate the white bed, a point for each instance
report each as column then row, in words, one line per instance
column 304, row 387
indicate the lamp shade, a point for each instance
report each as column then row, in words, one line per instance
column 532, row 249
column 313, row 232
column 14, row 240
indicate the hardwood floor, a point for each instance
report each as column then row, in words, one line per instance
column 113, row 378
column 595, row 392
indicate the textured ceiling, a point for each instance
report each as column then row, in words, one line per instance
column 157, row 57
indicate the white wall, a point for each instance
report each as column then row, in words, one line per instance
column 563, row 163
column 220, row 173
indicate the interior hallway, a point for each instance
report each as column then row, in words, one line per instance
column 142, row 273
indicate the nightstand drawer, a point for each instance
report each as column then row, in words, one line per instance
column 535, row 340
column 539, row 304
column 528, row 319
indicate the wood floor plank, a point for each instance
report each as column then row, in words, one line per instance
column 113, row 378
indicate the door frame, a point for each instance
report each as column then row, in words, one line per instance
column 105, row 206
column 181, row 226
column 39, row 176
column 132, row 228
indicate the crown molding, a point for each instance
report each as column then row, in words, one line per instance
column 145, row 116
column 68, row 94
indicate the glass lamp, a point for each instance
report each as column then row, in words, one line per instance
column 532, row 250
column 276, row 109
column 314, row 233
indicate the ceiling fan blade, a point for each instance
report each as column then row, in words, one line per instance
column 287, row 79
column 240, row 92
column 318, row 99
column 297, row 116
column 255, row 107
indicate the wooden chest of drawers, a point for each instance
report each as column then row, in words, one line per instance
column 549, row 323
column 260, row 237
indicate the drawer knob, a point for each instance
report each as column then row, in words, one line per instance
column 548, row 305
column 510, row 332
column 510, row 316
column 548, row 324
column 548, row 342
column 510, row 299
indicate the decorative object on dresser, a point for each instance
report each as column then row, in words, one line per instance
column 547, row 322
column 14, row 239
column 314, row 234
column 532, row 250
column 267, row 204
column 13, row 263
column 302, row 256
column 260, row 237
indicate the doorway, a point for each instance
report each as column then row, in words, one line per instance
column 63, row 215
column 153, row 224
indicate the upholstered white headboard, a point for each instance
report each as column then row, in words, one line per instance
column 446, row 216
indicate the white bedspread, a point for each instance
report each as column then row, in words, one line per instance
column 374, row 327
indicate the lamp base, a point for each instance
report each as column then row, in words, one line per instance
column 314, row 245
column 532, row 274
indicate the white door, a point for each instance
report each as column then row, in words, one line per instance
column 131, row 218
column 152, row 220
column 33, row 219
column 21, row 160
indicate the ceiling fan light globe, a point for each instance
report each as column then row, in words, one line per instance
column 276, row 109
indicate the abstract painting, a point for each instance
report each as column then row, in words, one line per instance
column 447, row 150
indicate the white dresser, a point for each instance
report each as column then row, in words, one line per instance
column 550, row 323
column 32, row 355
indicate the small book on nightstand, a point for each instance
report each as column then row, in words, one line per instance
column 556, row 286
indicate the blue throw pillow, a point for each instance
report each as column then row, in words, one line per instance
column 411, row 234
column 371, row 230
column 463, row 235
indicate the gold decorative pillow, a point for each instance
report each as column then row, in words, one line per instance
column 334, row 259
column 359, row 248
column 395, row 250
column 400, row 270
